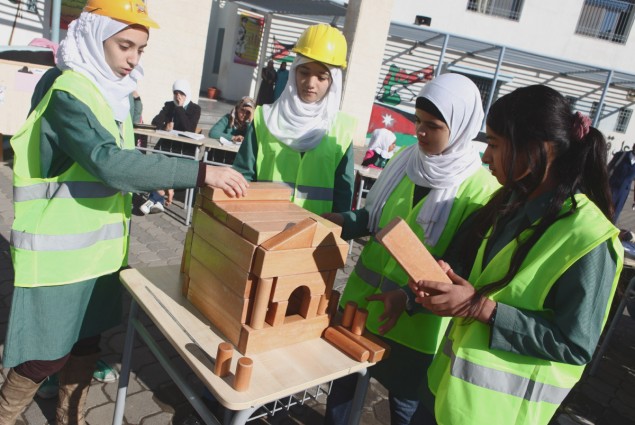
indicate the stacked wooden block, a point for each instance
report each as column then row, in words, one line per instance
column 261, row 268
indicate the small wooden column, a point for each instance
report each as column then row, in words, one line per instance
column 261, row 302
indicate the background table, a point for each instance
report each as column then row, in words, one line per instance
column 276, row 373
column 365, row 174
column 198, row 144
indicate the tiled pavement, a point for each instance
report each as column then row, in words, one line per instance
column 606, row 399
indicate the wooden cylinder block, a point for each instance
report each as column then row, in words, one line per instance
column 353, row 349
column 223, row 359
column 243, row 374
column 359, row 321
column 349, row 314
column 261, row 302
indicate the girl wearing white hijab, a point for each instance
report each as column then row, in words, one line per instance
column 380, row 148
column 433, row 185
column 75, row 167
column 302, row 139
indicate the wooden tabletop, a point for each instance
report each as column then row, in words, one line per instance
column 276, row 374
column 167, row 135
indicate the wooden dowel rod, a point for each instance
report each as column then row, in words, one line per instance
column 223, row 359
column 243, row 374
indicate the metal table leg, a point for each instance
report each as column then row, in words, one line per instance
column 124, row 376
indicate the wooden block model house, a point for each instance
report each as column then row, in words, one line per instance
column 261, row 268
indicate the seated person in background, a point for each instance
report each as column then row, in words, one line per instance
column 233, row 126
column 380, row 148
column 178, row 114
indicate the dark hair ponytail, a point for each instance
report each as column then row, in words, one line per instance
column 537, row 123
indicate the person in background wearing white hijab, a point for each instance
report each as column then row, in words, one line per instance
column 380, row 148
column 74, row 168
column 178, row 114
column 302, row 139
column 433, row 185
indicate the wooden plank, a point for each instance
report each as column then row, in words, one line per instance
column 258, row 232
column 258, row 206
column 237, row 220
column 237, row 279
column 304, row 260
column 298, row 236
column 257, row 191
column 215, row 305
column 295, row 329
column 285, row 285
column 330, row 235
column 378, row 349
column 230, row 243
column 403, row 244
column 185, row 260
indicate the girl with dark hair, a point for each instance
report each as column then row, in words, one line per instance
column 542, row 260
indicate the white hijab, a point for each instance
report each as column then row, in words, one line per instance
column 184, row 87
column 300, row 125
column 459, row 101
column 83, row 51
column 381, row 140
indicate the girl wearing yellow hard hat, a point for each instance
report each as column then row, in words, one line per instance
column 74, row 168
column 303, row 139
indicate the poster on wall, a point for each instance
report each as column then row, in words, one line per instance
column 71, row 10
column 248, row 39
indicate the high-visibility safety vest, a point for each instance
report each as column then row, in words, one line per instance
column 377, row 271
column 312, row 175
column 474, row 384
column 71, row 227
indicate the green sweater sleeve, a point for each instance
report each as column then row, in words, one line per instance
column 221, row 129
column 344, row 182
column 245, row 161
column 570, row 332
column 71, row 133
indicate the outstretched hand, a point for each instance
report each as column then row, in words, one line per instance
column 227, row 179
column 394, row 304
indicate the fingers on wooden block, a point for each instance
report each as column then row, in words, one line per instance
column 359, row 321
column 352, row 348
column 243, row 374
column 223, row 359
column 349, row 314
column 403, row 244
column 260, row 192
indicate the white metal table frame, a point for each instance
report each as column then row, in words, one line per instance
column 231, row 416
column 189, row 193
column 364, row 173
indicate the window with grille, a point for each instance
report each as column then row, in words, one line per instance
column 594, row 110
column 623, row 119
column 509, row 9
column 606, row 19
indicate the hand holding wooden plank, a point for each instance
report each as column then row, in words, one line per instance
column 403, row 244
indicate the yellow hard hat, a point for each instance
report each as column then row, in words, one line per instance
column 323, row 43
column 129, row 11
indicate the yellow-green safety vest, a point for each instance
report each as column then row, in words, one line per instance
column 312, row 175
column 71, row 227
column 377, row 271
column 474, row 384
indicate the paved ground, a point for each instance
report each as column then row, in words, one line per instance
column 605, row 399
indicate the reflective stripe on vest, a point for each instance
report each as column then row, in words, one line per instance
column 469, row 378
column 311, row 174
column 377, row 271
column 50, row 190
column 35, row 242
column 70, row 227
column 503, row 382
